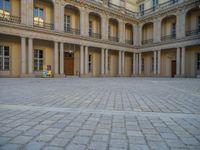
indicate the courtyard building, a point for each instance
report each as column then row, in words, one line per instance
column 92, row 38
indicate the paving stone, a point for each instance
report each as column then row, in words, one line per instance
column 21, row 139
column 98, row 146
column 59, row 142
column 44, row 137
column 34, row 145
column 10, row 147
column 75, row 147
column 81, row 140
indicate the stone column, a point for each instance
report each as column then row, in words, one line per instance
column 183, row 61
column 140, row 63
column 123, row 61
column 134, row 64
column 106, row 61
column 84, row 21
column 104, row 27
column 55, row 58
column 157, row 30
column 135, row 34
column 178, row 61
column 23, row 56
column 30, row 6
column 81, row 60
column 154, row 61
column 102, row 61
column 140, row 35
column 119, row 63
column 30, row 56
column 57, row 16
column 180, row 24
column 159, row 51
column 62, row 14
column 121, row 31
column 86, row 60
column 61, row 58
column 23, row 12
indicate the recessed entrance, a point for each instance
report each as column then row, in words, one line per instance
column 69, row 63
column 173, row 68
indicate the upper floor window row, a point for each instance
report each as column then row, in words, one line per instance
column 141, row 9
column 5, row 7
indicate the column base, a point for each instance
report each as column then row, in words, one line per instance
column 59, row 75
column 27, row 75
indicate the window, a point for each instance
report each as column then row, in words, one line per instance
column 108, row 63
column 174, row 1
column 152, row 64
column 90, row 27
column 4, row 57
column 198, row 24
column 173, row 32
column 155, row 3
column 38, row 16
column 67, row 22
column 4, row 7
column 198, row 61
column 109, row 30
column 38, row 60
column 90, row 63
column 142, row 64
column 141, row 7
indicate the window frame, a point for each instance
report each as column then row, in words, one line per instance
column 3, row 57
column 198, row 61
column 142, row 65
column 90, row 63
column 38, row 59
column 38, row 19
column 141, row 8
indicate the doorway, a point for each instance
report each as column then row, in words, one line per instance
column 69, row 63
column 173, row 68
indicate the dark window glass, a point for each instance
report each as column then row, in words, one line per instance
column 198, row 61
column 1, row 50
column 1, row 63
column 41, row 13
column 35, row 12
column 1, row 4
column 6, row 51
column 6, row 63
column 40, row 54
column 7, row 5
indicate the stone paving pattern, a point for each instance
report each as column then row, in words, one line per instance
column 100, row 114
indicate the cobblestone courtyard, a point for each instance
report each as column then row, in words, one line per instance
column 99, row 114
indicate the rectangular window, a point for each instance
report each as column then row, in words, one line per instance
column 38, row 60
column 142, row 64
column 67, row 20
column 198, row 24
column 4, row 57
column 152, row 64
column 5, row 7
column 39, row 16
column 108, row 63
column 173, row 31
column 90, row 28
column 174, row 1
column 141, row 8
column 198, row 61
column 155, row 3
column 90, row 63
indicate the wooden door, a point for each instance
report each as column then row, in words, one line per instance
column 173, row 68
column 69, row 65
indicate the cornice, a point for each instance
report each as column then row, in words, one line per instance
column 102, row 9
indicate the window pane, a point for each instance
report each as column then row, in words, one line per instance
column 6, row 51
column 1, row 63
column 40, row 54
column 35, row 64
column 7, row 5
column 1, row 50
column 35, row 53
column 35, row 12
column 1, row 4
column 41, row 13
column 41, row 64
column 6, row 63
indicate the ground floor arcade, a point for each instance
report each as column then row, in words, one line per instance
column 25, row 56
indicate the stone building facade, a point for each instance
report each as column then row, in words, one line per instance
column 100, row 37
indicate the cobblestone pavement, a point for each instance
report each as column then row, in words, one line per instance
column 100, row 114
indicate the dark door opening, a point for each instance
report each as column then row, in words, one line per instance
column 173, row 68
column 69, row 63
